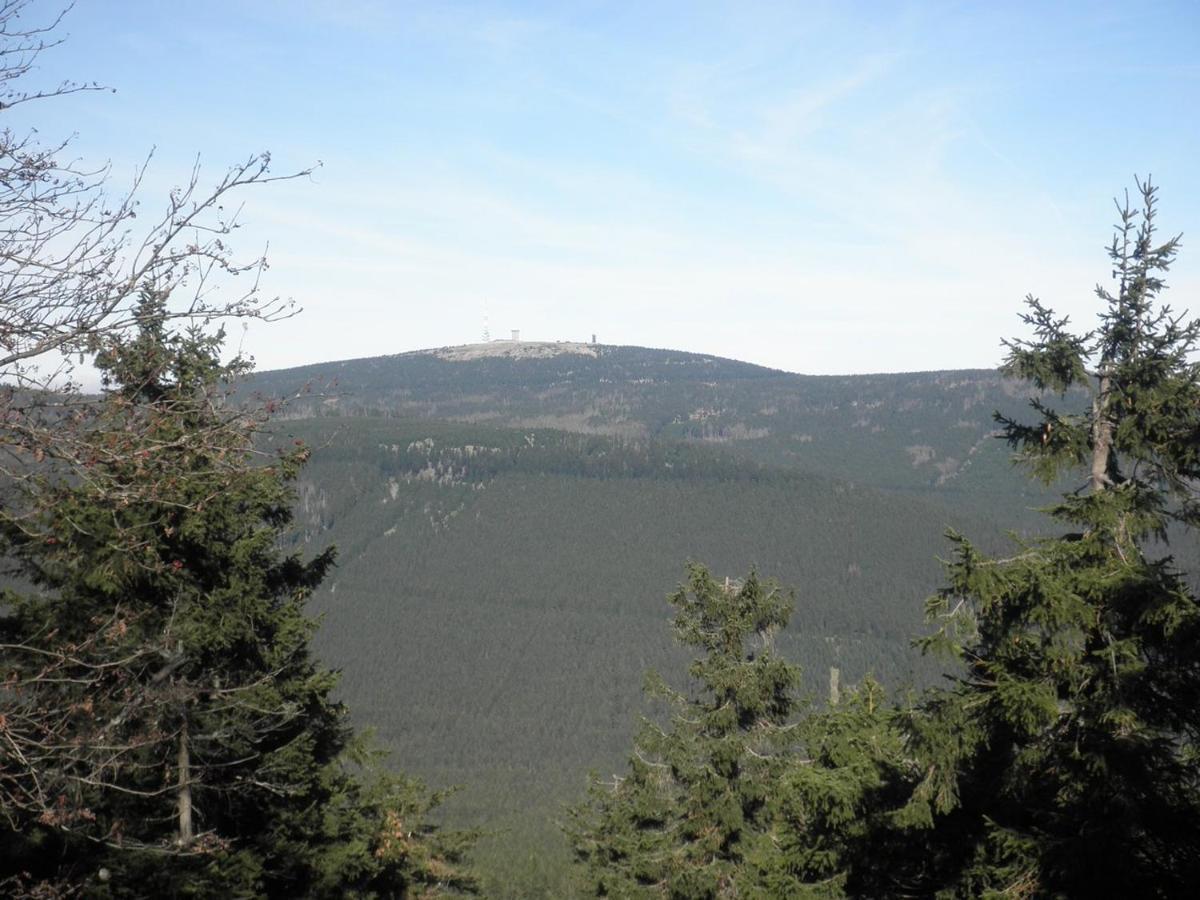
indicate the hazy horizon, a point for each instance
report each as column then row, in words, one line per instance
column 809, row 188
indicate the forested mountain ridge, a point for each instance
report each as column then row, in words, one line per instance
column 929, row 432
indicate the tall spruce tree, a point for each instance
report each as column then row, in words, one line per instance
column 693, row 807
column 166, row 730
column 1064, row 760
column 738, row 796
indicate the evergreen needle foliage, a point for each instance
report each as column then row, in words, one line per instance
column 737, row 797
column 694, row 806
column 166, row 731
column 1063, row 762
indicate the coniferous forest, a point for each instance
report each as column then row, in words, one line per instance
column 525, row 619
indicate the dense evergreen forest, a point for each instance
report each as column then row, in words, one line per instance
column 922, row 432
column 552, row 619
column 500, row 593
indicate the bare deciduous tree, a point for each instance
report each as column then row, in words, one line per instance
column 74, row 257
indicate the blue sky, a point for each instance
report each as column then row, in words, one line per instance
column 824, row 188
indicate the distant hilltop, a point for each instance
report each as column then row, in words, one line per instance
column 514, row 350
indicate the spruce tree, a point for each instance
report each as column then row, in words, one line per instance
column 738, row 795
column 692, row 808
column 167, row 731
column 1064, row 760
column 853, row 773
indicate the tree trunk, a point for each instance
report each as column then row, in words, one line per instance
column 1101, row 436
column 184, row 789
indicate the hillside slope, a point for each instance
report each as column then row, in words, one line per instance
column 928, row 433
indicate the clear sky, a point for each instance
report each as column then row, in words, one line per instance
column 823, row 188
